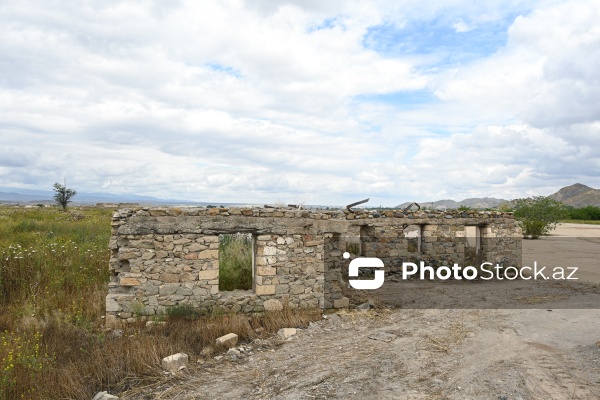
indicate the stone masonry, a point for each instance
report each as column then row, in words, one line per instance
column 169, row 257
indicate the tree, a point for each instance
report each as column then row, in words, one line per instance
column 63, row 194
column 538, row 215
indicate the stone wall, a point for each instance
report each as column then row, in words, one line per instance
column 169, row 257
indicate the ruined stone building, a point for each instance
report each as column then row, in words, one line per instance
column 169, row 257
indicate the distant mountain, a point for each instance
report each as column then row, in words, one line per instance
column 28, row 196
column 19, row 197
column 578, row 196
column 481, row 203
column 14, row 195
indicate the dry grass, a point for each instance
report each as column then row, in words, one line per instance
column 454, row 335
column 80, row 363
column 53, row 277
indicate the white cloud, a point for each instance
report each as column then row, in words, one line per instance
column 547, row 75
column 232, row 101
column 461, row 26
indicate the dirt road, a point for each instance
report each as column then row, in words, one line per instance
column 551, row 352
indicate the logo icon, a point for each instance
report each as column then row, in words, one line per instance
column 365, row 262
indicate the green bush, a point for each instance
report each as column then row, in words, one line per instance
column 538, row 215
column 585, row 213
column 185, row 311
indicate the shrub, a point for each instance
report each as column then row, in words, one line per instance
column 183, row 311
column 538, row 215
column 585, row 213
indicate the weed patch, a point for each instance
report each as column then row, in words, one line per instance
column 235, row 262
column 53, row 284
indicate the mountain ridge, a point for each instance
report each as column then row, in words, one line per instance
column 473, row 202
column 578, row 195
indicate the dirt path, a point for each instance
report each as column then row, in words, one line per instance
column 544, row 353
column 568, row 245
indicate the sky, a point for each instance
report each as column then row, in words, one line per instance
column 307, row 102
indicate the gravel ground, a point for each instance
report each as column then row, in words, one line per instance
column 541, row 343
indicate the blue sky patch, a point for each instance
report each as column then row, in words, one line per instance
column 224, row 68
column 403, row 98
column 327, row 23
column 439, row 38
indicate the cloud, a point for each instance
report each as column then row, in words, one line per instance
column 548, row 73
column 327, row 102
column 461, row 26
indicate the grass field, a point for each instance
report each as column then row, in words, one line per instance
column 235, row 261
column 53, row 283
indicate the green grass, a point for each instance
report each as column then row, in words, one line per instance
column 53, row 285
column 235, row 262
column 52, row 260
column 53, row 267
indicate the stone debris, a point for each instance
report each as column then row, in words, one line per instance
column 173, row 362
column 150, row 324
column 233, row 354
column 344, row 302
column 229, row 340
column 383, row 336
column 313, row 326
column 285, row 333
column 116, row 333
column 366, row 306
column 104, row 396
column 333, row 319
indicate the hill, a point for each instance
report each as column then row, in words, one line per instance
column 476, row 202
column 578, row 195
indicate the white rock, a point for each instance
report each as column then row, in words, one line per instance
column 228, row 340
column 233, row 354
column 285, row 333
column 150, row 324
column 104, row 396
column 173, row 362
